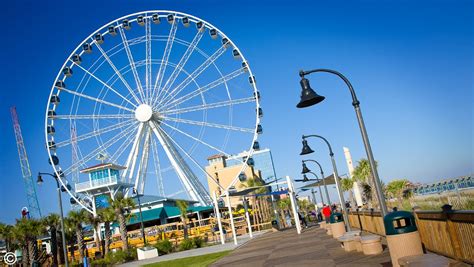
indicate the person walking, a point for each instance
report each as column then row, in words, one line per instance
column 288, row 219
column 327, row 212
column 302, row 220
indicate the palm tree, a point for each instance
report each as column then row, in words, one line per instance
column 26, row 231
column 94, row 221
column 362, row 173
column 20, row 236
column 398, row 189
column 69, row 233
column 77, row 218
column 183, row 210
column 347, row 185
column 284, row 204
column 52, row 222
column 256, row 203
column 120, row 204
column 107, row 216
column 6, row 232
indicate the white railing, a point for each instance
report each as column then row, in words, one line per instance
column 96, row 183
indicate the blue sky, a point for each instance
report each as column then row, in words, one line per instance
column 410, row 62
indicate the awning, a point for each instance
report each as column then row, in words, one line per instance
column 148, row 215
column 172, row 212
column 200, row 208
column 329, row 180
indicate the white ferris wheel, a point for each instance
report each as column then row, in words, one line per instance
column 157, row 93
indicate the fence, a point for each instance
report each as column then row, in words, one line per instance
column 449, row 233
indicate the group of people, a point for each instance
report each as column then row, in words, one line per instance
column 320, row 214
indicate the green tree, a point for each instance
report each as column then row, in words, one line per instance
column 77, row 218
column 183, row 210
column 284, row 204
column 260, row 204
column 26, row 231
column 70, row 234
column 398, row 189
column 120, row 204
column 6, row 233
column 52, row 223
column 363, row 173
column 107, row 216
column 94, row 221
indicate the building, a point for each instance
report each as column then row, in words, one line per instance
column 263, row 161
column 224, row 174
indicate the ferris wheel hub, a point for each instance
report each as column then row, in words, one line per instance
column 143, row 113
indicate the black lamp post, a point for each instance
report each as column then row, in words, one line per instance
column 307, row 150
column 306, row 170
column 63, row 237
column 141, row 216
column 309, row 98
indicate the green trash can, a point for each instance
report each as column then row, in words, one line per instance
column 337, row 224
column 402, row 234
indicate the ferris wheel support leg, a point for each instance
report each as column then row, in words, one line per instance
column 231, row 217
column 141, row 177
column 174, row 163
column 218, row 216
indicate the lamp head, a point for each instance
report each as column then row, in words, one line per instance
column 135, row 191
column 308, row 96
column 305, row 178
column 306, row 149
column 305, row 169
column 39, row 180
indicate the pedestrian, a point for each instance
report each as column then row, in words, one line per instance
column 288, row 219
column 327, row 212
column 302, row 220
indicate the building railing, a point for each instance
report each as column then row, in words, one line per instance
column 449, row 233
column 96, row 183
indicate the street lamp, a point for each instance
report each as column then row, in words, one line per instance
column 306, row 170
column 63, row 237
column 307, row 150
column 305, row 179
column 309, row 98
column 141, row 216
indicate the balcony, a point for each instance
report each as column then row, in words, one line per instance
column 98, row 183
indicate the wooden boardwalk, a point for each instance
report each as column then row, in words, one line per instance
column 286, row 248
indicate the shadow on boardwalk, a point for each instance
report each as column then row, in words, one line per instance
column 312, row 248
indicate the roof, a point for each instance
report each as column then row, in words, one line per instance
column 148, row 215
column 148, row 199
column 217, row 156
column 200, row 208
column 103, row 166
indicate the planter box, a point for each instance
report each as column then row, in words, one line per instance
column 146, row 253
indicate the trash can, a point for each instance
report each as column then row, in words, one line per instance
column 275, row 227
column 371, row 244
column 337, row 224
column 402, row 235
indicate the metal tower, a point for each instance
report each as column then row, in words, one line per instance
column 33, row 204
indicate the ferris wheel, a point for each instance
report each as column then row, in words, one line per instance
column 155, row 93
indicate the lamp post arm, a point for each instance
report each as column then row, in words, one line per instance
column 324, row 139
column 355, row 101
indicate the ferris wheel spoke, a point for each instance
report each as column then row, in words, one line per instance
column 210, row 60
column 133, row 151
column 118, row 153
column 148, row 59
column 99, row 149
column 204, row 88
column 132, row 63
column 164, row 60
column 210, row 106
column 142, row 168
column 93, row 117
column 119, row 75
column 94, row 133
column 182, row 62
column 190, row 157
column 105, row 84
column 157, row 165
column 212, row 125
column 94, row 99
column 197, row 139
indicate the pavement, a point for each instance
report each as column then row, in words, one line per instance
column 286, row 248
column 229, row 245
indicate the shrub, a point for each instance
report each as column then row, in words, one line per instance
column 164, row 246
column 186, row 244
column 198, row 242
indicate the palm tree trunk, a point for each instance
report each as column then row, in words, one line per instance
column 185, row 227
column 123, row 231
column 31, row 249
column 71, row 246
column 97, row 239
column 60, row 256
column 108, row 235
column 80, row 243
column 54, row 245
column 25, row 255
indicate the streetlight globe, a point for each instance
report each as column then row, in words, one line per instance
column 39, row 180
column 308, row 96
column 306, row 149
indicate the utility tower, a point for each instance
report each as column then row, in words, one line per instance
column 33, row 204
